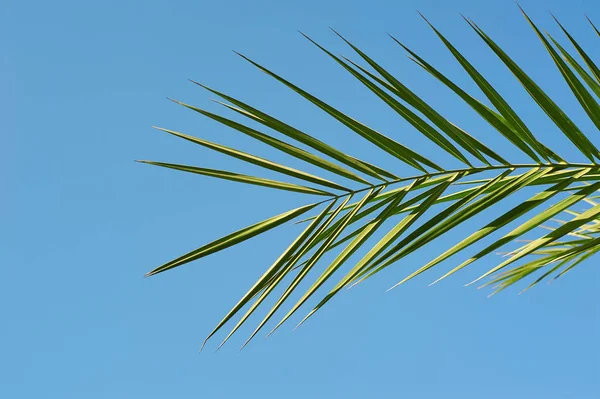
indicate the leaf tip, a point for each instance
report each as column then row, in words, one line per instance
column 394, row 286
column 423, row 16
column 204, row 343
column 240, row 54
column 270, row 333
column 243, row 346
column 220, row 345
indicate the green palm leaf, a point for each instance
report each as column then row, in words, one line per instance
column 412, row 210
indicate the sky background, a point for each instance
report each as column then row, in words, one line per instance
column 80, row 222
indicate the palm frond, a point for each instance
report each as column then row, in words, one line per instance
column 409, row 210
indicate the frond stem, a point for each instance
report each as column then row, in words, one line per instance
column 463, row 170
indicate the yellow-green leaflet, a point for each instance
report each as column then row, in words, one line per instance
column 527, row 226
column 428, row 231
column 471, row 210
column 288, row 267
column 580, row 220
column 315, row 258
column 275, row 267
column 399, row 196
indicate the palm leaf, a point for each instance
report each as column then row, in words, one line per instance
column 429, row 201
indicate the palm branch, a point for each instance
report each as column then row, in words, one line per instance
column 390, row 214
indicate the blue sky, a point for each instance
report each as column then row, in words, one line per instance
column 81, row 223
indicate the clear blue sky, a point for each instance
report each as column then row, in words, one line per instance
column 80, row 222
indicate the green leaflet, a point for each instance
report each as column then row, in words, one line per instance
column 587, row 101
column 359, row 239
column 233, row 238
column 429, row 230
column 265, row 163
column 592, row 81
column 388, row 145
column 471, row 210
column 486, row 113
column 422, row 126
column 578, row 261
column 385, row 195
column 504, row 219
column 384, row 199
column 580, row 220
column 398, row 198
column 278, row 144
column 315, row 258
column 370, row 259
column 543, row 276
column 579, row 249
column 463, row 139
column 504, row 282
column 301, row 137
column 593, row 26
column 259, row 181
column 560, row 174
column 566, row 125
column 506, row 279
column 525, row 227
column 512, row 127
column 587, row 78
column 588, row 61
column 267, row 277
column 283, row 273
